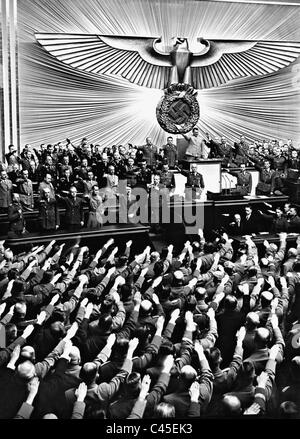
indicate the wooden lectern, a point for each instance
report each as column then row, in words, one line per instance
column 211, row 171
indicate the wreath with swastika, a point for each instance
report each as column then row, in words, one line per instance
column 178, row 110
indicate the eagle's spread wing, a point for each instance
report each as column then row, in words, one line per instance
column 229, row 59
column 133, row 58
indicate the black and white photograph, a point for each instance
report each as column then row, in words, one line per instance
column 149, row 213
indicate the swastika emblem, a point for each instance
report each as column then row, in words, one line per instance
column 179, row 112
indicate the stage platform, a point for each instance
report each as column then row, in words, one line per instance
column 213, row 213
column 218, row 213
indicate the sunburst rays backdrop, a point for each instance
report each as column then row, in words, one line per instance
column 58, row 102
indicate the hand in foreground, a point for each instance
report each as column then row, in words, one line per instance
column 146, row 381
column 41, row 318
column 194, row 392
column 33, row 386
column 81, row 392
column 133, row 344
column 15, row 355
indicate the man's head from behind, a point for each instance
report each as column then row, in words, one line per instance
column 252, row 320
column 214, row 357
column 133, row 383
column 20, row 311
column 231, row 406
column 230, row 303
column 105, row 322
column 262, row 338
column 119, row 349
column 57, row 330
column 164, row 410
column 188, row 375
column 289, row 410
column 26, row 370
column 11, row 333
column 75, row 357
column 27, row 353
column 88, row 373
column 146, row 308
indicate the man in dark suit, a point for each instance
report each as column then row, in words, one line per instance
column 249, row 224
column 49, row 215
column 144, row 175
column 228, row 322
column 65, row 182
column 194, row 183
column 293, row 221
column 74, row 210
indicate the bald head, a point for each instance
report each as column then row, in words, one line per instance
column 231, row 405
column 75, row 357
column 146, row 305
column 20, row 309
column 188, row 374
column 28, row 353
column 262, row 337
column 252, row 319
column 26, row 370
column 50, row 416
column 88, row 372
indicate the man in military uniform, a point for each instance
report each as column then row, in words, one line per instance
column 223, row 150
column 266, row 180
column 5, row 192
column 49, row 215
column 144, row 176
column 130, row 173
column 150, row 153
column 194, row 184
column 16, row 218
column 253, row 156
column 170, row 153
column 65, row 182
column 47, row 183
column 198, row 148
column 241, row 151
column 167, row 178
column 25, row 190
column 244, row 180
column 156, row 201
column 279, row 165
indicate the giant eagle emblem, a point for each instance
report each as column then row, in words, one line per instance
column 175, row 69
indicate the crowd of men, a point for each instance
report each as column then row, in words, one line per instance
column 282, row 219
column 86, row 175
column 200, row 331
